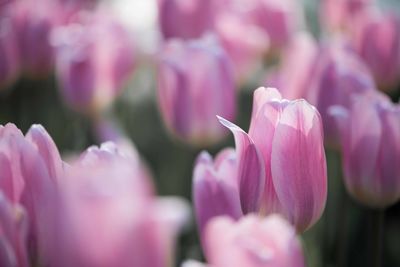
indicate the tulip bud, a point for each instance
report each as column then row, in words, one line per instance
column 253, row 242
column 13, row 226
column 34, row 21
column 91, row 66
column 370, row 142
column 215, row 187
column 294, row 75
column 339, row 75
column 105, row 216
column 195, row 83
column 377, row 41
column 289, row 137
column 185, row 19
column 9, row 57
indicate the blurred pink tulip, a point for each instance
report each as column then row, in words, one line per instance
column 377, row 41
column 13, row 227
column 232, row 185
column 215, row 187
column 30, row 167
column 338, row 15
column 253, row 242
column 185, row 19
column 244, row 42
column 370, row 139
column 280, row 19
column 288, row 138
column 339, row 74
column 91, row 66
column 11, row 180
column 34, row 21
column 106, row 216
column 9, row 57
column 297, row 67
column 195, row 83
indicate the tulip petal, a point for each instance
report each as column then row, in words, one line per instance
column 263, row 95
column 262, row 129
column 47, row 149
column 298, row 164
column 251, row 170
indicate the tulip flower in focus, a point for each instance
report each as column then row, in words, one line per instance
column 377, row 41
column 34, row 21
column 252, row 242
column 107, row 216
column 185, row 19
column 289, row 138
column 94, row 59
column 297, row 67
column 195, row 83
column 338, row 76
column 370, row 142
column 13, row 227
column 338, row 15
column 9, row 57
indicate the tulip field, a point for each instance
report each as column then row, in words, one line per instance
column 199, row 133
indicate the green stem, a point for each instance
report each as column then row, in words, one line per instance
column 342, row 231
column 377, row 223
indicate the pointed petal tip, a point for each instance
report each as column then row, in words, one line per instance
column 230, row 125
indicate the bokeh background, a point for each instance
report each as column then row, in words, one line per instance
column 340, row 238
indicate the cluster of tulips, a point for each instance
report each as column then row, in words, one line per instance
column 252, row 202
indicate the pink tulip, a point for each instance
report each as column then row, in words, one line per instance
column 338, row 15
column 9, row 57
column 185, row 19
column 339, row 74
column 13, row 226
column 244, row 42
column 289, row 138
column 91, row 66
column 11, row 180
column 280, row 19
column 34, row 21
column 30, row 167
column 215, row 187
column 106, row 216
column 253, row 242
column 297, row 67
column 377, row 41
column 370, row 142
column 192, row 92
column 220, row 188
